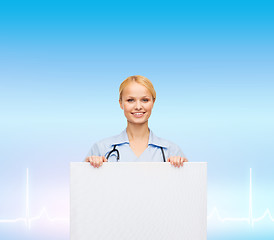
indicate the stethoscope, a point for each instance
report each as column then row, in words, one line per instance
column 118, row 155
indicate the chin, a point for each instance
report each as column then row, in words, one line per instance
column 138, row 122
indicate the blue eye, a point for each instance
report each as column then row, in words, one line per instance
column 145, row 100
column 130, row 100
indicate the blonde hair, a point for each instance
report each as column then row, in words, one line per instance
column 138, row 79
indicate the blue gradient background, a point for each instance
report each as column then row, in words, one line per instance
column 61, row 64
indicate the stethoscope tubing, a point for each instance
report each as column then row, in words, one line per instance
column 118, row 155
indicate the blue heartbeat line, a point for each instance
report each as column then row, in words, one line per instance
column 215, row 213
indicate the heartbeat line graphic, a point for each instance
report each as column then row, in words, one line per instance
column 215, row 213
column 250, row 220
column 27, row 219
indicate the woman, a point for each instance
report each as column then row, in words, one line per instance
column 137, row 142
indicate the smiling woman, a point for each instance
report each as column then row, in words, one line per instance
column 137, row 143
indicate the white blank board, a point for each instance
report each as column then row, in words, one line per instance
column 142, row 201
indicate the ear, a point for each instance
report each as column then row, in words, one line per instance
column 121, row 105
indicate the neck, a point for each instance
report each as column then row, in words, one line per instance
column 137, row 131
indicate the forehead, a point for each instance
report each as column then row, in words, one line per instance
column 136, row 89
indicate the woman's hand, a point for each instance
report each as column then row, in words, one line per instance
column 96, row 161
column 177, row 161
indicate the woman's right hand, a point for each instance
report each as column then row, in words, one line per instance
column 96, row 161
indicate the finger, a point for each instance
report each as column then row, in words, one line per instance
column 97, row 162
column 94, row 161
column 100, row 161
column 91, row 161
column 184, row 160
column 174, row 159
column 178, row 161
column 104, row 159
column 171, row 159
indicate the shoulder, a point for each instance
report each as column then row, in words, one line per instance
column 162, row 142
column 171, row 148
column 107, row 142
column 101, row 147
column 174, row 150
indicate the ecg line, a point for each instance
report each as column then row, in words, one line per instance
column 28, row 220
column 250, row 219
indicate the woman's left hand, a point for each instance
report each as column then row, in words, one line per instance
column 177, row 161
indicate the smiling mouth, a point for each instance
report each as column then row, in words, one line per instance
column 138, row 114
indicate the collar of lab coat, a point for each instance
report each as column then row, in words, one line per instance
column 153, row 139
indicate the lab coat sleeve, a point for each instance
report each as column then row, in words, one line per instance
column 94, row 151
column 175, row 150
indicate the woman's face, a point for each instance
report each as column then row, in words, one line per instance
column 137, row 103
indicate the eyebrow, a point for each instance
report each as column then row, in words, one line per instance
column 134, row 97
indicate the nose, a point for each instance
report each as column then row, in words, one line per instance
column 138, row 105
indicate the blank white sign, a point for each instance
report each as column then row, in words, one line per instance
column 142, row 201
